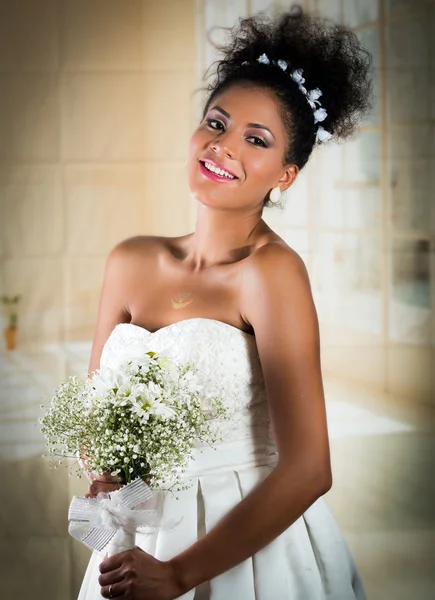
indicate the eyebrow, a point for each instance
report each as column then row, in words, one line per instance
column 259, row 126
column 254, row 125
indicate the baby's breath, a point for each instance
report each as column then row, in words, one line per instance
column 142, row 420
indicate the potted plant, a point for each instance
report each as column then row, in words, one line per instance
column 10, row 306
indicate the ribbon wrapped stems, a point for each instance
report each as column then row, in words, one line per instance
column 110, row 521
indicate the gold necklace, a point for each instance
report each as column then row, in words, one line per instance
column 182, row 300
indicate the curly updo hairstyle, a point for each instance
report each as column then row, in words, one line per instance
column 332, row 60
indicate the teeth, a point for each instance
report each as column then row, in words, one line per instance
column 218, row 171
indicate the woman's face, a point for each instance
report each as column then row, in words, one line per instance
column 243, row 135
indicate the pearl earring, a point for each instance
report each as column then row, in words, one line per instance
column 275, row 195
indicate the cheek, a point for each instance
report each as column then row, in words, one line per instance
column 194, row 151
column 263, row 167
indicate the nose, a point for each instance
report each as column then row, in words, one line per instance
column 222, row 149
column 224, row 145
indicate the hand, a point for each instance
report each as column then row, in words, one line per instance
column 136, row 575
column 103, row 483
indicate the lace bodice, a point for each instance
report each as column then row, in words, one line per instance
column 227, row 361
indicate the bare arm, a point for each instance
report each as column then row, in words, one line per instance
column 113, row 306
column 113, row 309
column 286, row 329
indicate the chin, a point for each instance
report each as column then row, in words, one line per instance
column 207, row 192
column 211, row 198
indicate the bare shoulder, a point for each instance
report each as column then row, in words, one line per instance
column 130, row 266
column 140, row 252
column 140, row 246
column 276, row 261
column 276, row 288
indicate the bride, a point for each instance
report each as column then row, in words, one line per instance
column 234, row 298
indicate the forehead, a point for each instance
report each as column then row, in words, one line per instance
column 250, row 104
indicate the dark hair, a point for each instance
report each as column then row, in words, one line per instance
column 332, row 60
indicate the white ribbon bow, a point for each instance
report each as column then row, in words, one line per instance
column 95, row 521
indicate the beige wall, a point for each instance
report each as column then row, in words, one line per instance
column 96, row 108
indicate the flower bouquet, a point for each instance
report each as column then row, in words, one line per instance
column 142, row 422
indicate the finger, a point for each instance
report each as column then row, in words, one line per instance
column 96, row 487
column 104, row 485
column 112, row 562
column 115, row 576
column 114, row 590
column 107, row 477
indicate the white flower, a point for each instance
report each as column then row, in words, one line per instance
column 296, row 75
column 322, row 135
column 163, row 410
column 191, row 379
column 134, row 354
column 109, row 417
column 320, row 115
column 147, row 400
column 314, row 94
column 106, row 379
column 282, row 64
column 313, row 97
column 166, row 364
column 263, row 59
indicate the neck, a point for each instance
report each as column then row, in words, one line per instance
column 223, row 237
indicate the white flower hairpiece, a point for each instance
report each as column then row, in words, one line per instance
column 263, row 59
column 312, row 96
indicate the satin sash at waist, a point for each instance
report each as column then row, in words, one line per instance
column 232, row 456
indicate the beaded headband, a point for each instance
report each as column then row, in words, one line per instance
column 312, row 96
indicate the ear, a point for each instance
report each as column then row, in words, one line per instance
column 288, row 177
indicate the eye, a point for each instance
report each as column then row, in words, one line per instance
column 215, row 124
column 257, row 141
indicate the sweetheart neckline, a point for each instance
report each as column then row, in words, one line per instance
column 250, row 335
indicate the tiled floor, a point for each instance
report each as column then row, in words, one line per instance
column 383, row 453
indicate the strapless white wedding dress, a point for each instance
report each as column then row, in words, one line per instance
column 308, row 561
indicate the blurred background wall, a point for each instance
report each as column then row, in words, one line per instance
column 96, row 108
column 95, row 113
column 97, row 102
column 363, row 213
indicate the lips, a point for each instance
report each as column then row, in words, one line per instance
column 216, row 171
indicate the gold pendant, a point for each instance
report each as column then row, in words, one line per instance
column 181, row 300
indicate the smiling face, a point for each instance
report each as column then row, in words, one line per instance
column 236, row 154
